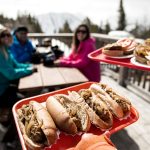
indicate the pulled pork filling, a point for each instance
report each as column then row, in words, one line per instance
column 85, row 94
column 33, row 129
column 101, row 112
column 117, row 98
column 73, row 110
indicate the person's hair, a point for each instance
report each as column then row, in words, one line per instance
column 2, row 47
column 76, row 42
column 21, row 28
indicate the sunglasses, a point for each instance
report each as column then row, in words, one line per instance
column 5, row 35
column 81, row 31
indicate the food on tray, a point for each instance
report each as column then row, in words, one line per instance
column 96, row 108
column 37, row 126
column 142, row 54
column 68, row 115
column 118, row 105
column 120, row 48
column 72, row 113
column 147, row 42
column 113, row 50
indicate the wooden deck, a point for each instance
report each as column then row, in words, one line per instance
column 136, row 136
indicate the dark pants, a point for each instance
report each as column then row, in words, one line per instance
column 7, row 100
column 9, row 97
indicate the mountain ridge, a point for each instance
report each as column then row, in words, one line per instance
column 52, row 22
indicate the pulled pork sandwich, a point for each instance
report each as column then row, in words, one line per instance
column 68, row 115
column 147, row 42
column 117, row 104
column 113, row 49
column 36, row 125
column 121, row 48
column 97, row 109
column 142, row 54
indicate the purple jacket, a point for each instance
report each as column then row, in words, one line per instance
column 80, row 60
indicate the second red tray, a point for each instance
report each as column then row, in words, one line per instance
column 98, row 56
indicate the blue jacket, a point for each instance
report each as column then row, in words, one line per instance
column 11, row 70
column 22, row 53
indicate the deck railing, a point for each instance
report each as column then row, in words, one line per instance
column 135, row 78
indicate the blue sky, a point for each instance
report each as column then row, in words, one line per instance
column 97, row 10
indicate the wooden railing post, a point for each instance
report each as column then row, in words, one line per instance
column 123, row 76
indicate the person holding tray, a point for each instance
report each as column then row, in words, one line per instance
column 90, row 141
column 82, row 45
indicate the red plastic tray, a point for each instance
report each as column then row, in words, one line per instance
column 98, row 56
column 67, row 141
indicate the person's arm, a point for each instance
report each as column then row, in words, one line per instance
column 83, row 59
column 70, row 57
column 12, row 73
column 20, row 65
column 94, row 142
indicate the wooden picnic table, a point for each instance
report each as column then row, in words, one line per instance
column 51, row 77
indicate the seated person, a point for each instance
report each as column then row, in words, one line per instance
column 10, row 70
column 22, row 48
column 83, row 44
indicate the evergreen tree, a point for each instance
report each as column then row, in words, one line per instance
column 136, row 30
column 93, row 27
column 107, row 28
column 87, row 21
column 66, row 28
column 122, row 17
column 100, row 28
column 29, row 21
column 22, row 19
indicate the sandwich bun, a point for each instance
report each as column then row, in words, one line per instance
column 118, row 105
column 36, row 125
column 97, row 109
column 68, row 116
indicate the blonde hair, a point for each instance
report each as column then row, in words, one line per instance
column 2, row 47
column 3, row 50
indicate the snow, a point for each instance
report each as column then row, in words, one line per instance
column 52, row 22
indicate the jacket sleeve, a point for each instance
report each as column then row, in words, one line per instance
column 19, row 65
column 70, row 57
column 12, row 73
column 82, row 61
column 22, row 65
